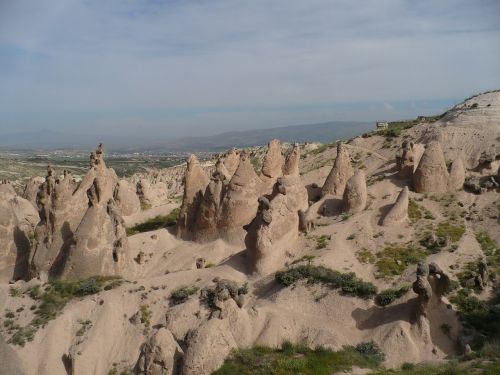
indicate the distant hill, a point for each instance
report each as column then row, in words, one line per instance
column 322, row 132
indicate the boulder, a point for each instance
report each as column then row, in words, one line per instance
column 431, row 175
column 355, row 193
column 340, row 173
column 399, row 211
column 160, row 355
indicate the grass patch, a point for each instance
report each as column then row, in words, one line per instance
column 298, row 359
column 181, row 294
column 157, row 222
column 146, row 315
column 322, row 242
column 449, row 230
column 491, row 250
column 388, row 296
column 414, row 211
column 366, row 256
column 395, row 258
column 348, row 283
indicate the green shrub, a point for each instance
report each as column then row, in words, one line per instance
column 348, row 283
column 491, row 250
column 298, row 359
column 414, row 212
column 157, row 222
column 365, row 256
column 321, row 242
column 388, row 296
column 371, row 350
column 394, row 258
column 181, row 294
column 449, row 230
column 13, row 292
column 146, row 315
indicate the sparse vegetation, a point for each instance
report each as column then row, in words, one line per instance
column 299, row 359
column 155, row 223
column 453, row 232
column 181, row 294
column 146, row 314
column 414, row 212
column 366, row 256
column 395, row 258
column 491, row 250
column 322, row 242
column 388, row 296
column 348, row 283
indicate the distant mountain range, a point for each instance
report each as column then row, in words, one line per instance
column 322, row 132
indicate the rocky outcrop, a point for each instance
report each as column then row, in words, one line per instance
column 160, row 355
column 18, row 219
column 423, row 289
column 457, row 175
column 126, row 198
column 399, row 211
column 7, row 188
column 231, row 161
column 195, row 183
column 31, row 189
column 272, row 167
column 292, row 162
column 355, row 193
column 275, row 225
column 405, row 161
column 431, row 175
column 64, row 210
column 340, row 173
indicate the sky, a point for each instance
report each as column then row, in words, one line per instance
column 179, row 68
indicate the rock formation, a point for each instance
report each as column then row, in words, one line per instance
column 275, row 225
column 231, row 161
column 160, row 355
column 18, row 219
column 440, row 280
column 272, row 167
column 6, row 187
column 399, row 211
column 126, row 198
column 457, row 175
column 355, row 193
column 65, row 210
column 422, row 287
column 31, row 189
column 292, row 162
column 431, row 175
column 195, row 182
column 406, row 160
column 340, row 173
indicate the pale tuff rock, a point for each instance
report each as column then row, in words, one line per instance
column 62, row 208
column 292, row 162
column 275, row 225
column 9, row 359
column 231, row 161
column 207, row 216
column 152, row 191
column 239, row 204
column 422, row 287
column 160, row 355
column 440, row 281
column 406, row 160
column 100, row 241
column 126, row 198
column 431, row 175
column 457, row 175
column 399, row 211
column 195, row 182
column 6, row 187
column 222, row 171
column 355, row 193
column 272, row 166
column 31, row 189
column 18, row 218
column 340, row 173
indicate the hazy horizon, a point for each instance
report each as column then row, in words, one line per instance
column 184, row 68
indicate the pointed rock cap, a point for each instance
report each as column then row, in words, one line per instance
column 244, row 176
column 272, row 166
column 195, row 179
column 292, row 162
column 457, row 175
column 340, row 173
column 355, row 193
column 231, row 161
column 431, row 175
column 399, row 211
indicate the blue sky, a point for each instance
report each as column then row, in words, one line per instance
column 197, row 67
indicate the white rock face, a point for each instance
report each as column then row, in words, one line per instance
column 399, row 211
